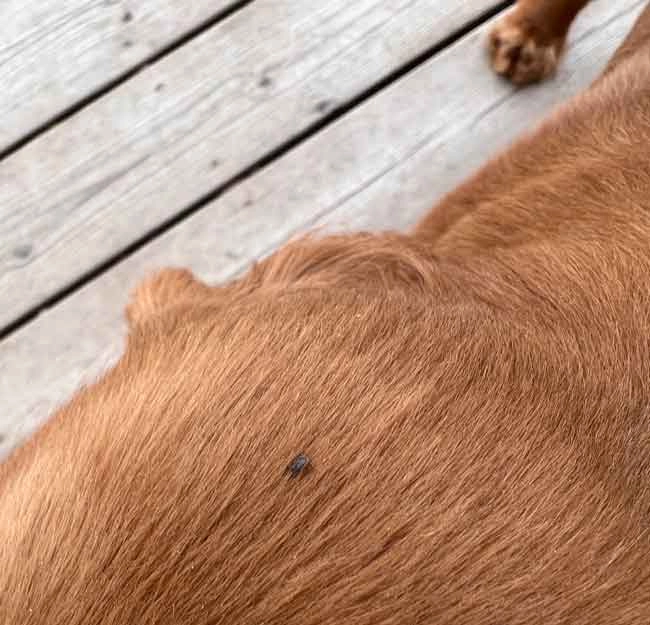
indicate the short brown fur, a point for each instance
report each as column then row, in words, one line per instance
column 473, row 399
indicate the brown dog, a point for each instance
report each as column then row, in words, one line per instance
column 451, row 427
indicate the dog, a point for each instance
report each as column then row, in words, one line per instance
column 448, row 426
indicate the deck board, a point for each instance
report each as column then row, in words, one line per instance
column 382, row 165
column 81, row 193
column 54, row 54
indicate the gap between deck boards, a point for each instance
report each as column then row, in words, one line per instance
column 127, row 74
column 263, row 161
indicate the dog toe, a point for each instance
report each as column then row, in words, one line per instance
column 520, row 55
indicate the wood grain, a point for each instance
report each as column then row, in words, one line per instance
column 54, row 54
column 83, row 192
column 382, row 165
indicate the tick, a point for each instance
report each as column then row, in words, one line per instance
column 298, row 466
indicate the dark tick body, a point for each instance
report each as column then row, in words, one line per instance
column 298, row 466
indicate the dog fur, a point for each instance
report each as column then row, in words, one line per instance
column 450, row 426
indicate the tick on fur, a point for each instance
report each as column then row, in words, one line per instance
column 298, row 466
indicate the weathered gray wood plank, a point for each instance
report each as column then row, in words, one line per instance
column 382, row 165
column 81, row 193
column 54, row 53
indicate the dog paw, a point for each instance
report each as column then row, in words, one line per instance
column 521, row 53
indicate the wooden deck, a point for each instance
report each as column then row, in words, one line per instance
column 206, row 133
